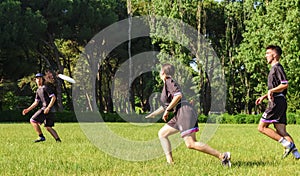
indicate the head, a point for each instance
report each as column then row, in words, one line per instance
column 39, row 79
column 273, row 54
column 167, row 70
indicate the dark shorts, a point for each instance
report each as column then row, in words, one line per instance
column 40, row 117
column 276, row 111
column 185, row 120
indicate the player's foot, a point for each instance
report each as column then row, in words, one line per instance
column 226, row 159
column 40, row 139
column 58, row 140
column 288, row 150
column 296, row 153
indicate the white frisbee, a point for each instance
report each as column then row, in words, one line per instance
column 66, row 78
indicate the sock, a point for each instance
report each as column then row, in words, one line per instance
column 284, row 142
column 41, row 135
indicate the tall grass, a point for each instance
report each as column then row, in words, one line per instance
column 252, row 153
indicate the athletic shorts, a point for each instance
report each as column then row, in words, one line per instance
column 276, row 111
column 40, row 117
column 185, row 120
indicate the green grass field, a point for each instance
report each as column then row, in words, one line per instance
column 252, row 153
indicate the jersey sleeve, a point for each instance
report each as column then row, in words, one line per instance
column 280, row 74
column 37, row 97
column 50, row 91
column 173, row 88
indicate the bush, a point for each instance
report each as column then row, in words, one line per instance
column 202, row 118
column 66, row 116
column 291, row 118
column 253, row 118
column 227, row 118
column 13, row 116
column 69, row 116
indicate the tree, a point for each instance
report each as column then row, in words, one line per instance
column 271, row 22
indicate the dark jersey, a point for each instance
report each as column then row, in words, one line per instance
column 276, row 77
column 171, row 89
column 44, row 95
column 185, row 117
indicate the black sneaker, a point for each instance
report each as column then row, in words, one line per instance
column 58, row 140
column 40, row 139
column 288, row 150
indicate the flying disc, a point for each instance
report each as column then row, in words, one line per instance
column 66, row 78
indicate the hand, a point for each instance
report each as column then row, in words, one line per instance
column 165, row 116
column 150, row 116
column 46, row 111
column 270, row 95
column 259, row 100
column 25, row 111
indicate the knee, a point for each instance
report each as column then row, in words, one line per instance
column 33, row 122
column 161, row 134
column 261, row 129
column 190, row 145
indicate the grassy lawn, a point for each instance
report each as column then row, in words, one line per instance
column 252, row 153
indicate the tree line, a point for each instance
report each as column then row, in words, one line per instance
column 39, row 36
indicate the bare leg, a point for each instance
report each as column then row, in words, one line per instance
column 191, row 143
column 36, row 127
column 264, row 128
column 163, row 134
column 52, row 132
column 281, row 130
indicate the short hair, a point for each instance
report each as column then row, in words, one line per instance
column 168, row 69
column 276, row 48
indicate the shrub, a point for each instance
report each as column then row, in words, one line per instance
column 291, row 118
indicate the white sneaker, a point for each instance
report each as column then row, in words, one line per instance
column 226, row 159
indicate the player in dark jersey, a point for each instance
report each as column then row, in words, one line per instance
column 277, row 105
column 46, row 114
column 184, row 121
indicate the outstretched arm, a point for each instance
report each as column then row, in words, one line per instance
column 156, row 112
column 31, row 107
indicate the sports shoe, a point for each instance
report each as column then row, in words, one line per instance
column 288, row 150
column 296, row 154
column 40, row 139
column 226, row 159
column 58, row 140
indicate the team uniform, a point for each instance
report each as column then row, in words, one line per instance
column 185, row 117
column 276, row 111
column 43, row 95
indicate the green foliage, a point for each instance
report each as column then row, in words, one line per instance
column 13, row 102
column 293, row 118
column 273, row 22
column 69, row 116
column 40, row 35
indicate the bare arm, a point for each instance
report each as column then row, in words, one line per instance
column 269, row 95
column 156, row 112
column 52, row 101
column 173, row 103
column 31, row 107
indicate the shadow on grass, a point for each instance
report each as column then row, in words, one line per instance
column 251, row 163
